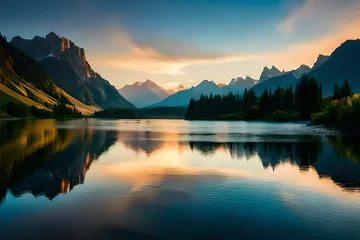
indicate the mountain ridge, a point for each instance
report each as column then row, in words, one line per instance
column 66, row 64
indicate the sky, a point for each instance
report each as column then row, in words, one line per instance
column 187, row 41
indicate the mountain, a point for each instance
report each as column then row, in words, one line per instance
column 239, row 84
column 66, row 64
column 22, row 79
column 284, row 80
column 343, row 64
column 320, row 61
column 273, row 83
column 144, row 94
column 182, row 98
column 269, row 73
column 303, row 69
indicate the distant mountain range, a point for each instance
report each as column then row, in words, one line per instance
column 283, row 80
column 44, row 71
column 343, row 64
column 66, row 64
column 144, row 94
column 206, row 87
column 182, row 98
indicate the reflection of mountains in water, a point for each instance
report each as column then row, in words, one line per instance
column 49, row 161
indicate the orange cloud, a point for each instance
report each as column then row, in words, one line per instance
column 307, row 52
column 148, row 59
column 320, row 14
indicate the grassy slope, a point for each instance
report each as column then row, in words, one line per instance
column 7, row 95
column 85, row 109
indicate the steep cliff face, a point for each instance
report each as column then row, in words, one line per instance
column 60, row 48
column 66, row 64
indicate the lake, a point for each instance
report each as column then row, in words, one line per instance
column 175, row 179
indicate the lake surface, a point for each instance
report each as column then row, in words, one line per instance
column 166, row 179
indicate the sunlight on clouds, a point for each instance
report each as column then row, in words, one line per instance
column 320, row 13
column 171, row 84
column 287, row 25
column 173, row 57
column 307, row 52
column 147, row 59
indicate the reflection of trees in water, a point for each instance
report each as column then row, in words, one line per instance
column 345, row 147
column 205, row 148
column 341, row 162
column 343, row 168
column 52, row 161
column 303, row 154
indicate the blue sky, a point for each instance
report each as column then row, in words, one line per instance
column 186, row 41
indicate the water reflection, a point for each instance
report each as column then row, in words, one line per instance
column 39, row 158
column 150, row 183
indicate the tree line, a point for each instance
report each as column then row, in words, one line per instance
column 214, row 106
column 281, row 105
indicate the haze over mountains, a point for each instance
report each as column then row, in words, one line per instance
column 144, row 94
column 206, row 87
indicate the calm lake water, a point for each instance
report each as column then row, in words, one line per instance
column 166, row 179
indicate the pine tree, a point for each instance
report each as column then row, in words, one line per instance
column 345, row 90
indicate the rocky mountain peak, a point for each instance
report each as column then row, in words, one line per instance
column 51, row 36
column 248, row 78
column 60, row 48
column 148, row 82
column 320, row 61
column 269, row 73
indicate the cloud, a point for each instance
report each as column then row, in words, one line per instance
column 319, row 13
column 306, row 52
column 345, row 24
column 160, row 58
column 287, row 25
column 169, row 85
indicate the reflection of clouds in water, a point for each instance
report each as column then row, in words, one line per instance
column 299, row 164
